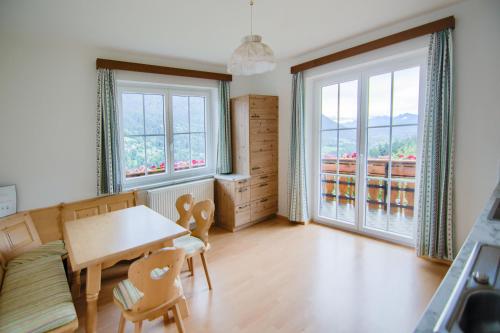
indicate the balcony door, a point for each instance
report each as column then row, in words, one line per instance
column 368, row 148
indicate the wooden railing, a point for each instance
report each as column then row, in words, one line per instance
column 402, row 192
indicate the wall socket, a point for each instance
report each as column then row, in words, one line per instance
column 8, row 200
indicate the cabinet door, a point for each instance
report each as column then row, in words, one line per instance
column 263, row 107
column 263, row 178
column 264, row 146
column 258, row 127
column 241, row 214
column 264, row 137
column 258, row 169
column 241, row 195
column 242, row 182
column 263, row 207
column 262, row 190
column 263, row 163
column 263, row 158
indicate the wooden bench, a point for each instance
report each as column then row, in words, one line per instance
column 31, row 240
column 34, row 295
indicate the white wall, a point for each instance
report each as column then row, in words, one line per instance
column 48, row 101
column 477, row 56
column 48, row 114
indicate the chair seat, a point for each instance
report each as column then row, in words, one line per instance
column 190, row 244
column 127, row 294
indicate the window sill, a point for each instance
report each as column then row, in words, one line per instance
column 167, row 183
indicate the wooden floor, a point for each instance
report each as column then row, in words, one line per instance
column 277, row 277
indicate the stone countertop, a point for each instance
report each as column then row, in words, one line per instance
column 484, row 231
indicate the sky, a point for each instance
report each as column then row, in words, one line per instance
column 406, row 91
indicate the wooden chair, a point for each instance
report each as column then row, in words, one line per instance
column 197, row 242
column 184, row 205
column 152, row 289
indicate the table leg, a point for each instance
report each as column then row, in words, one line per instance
column 183, row 307
column 93, row 288
column 76, row 283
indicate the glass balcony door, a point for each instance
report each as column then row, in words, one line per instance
column 368, row 149
column 339, row 151
column 391, row 152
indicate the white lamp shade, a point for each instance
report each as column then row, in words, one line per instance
column 251, row 57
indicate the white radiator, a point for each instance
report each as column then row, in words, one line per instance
column 163, row 199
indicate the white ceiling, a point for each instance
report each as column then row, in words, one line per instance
column 205, row 30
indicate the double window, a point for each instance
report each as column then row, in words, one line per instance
column 165, row 133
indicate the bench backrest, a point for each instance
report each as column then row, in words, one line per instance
column 17, row 235
column 96, row 206
column 48, row 221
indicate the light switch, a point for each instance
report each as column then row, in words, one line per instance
column 8, row 203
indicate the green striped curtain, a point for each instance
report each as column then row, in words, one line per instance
column 224, row 158
column 297, row 189
column 108, row 152
column 435, row 236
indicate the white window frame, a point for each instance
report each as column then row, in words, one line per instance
column 170, row 176
column 361, row 73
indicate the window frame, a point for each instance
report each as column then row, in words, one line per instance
column 362, row 72
column 169, row 176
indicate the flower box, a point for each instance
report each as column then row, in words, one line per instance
column 403, row 168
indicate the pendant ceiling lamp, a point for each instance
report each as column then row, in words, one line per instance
column 252, row 56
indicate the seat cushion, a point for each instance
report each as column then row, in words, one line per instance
column 35, row 297
column 44, row 250
column 127, row 294
column 189, row 244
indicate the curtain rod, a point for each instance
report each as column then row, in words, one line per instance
column 136, row 67
column 435, row 26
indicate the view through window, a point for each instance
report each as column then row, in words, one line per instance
column 368, row 149
column 164, row 132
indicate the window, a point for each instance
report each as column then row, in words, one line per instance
column 143, row 134
column 367, row 153
column 165, row 133
column 189, row 131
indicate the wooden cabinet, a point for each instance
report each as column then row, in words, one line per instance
column 250, row 194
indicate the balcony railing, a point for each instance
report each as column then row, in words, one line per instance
column 402, row 181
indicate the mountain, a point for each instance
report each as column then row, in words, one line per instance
column 405, row 118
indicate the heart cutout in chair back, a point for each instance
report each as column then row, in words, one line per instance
column 158, row 273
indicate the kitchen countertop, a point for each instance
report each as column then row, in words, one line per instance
column 484, row 231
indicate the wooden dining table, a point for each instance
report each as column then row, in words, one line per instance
column 100, row 241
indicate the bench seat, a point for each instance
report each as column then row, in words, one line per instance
column 35, row 296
